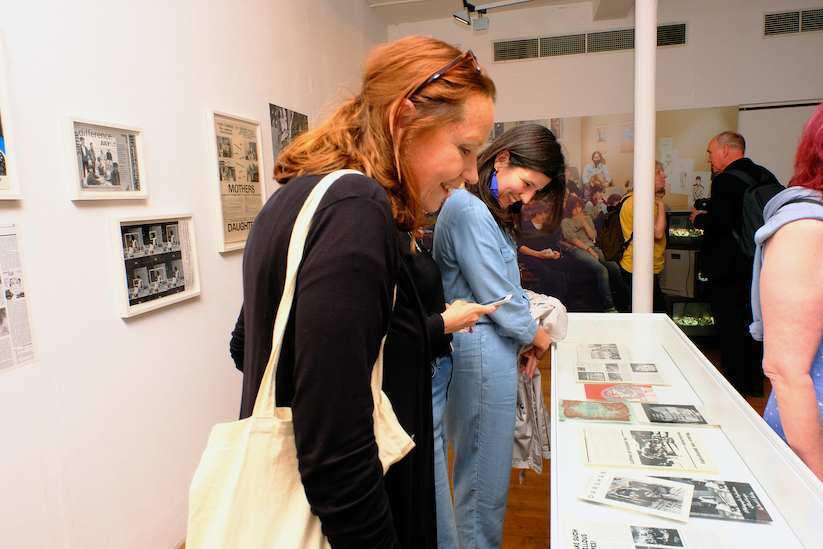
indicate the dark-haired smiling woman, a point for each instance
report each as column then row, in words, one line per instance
column 475, row 248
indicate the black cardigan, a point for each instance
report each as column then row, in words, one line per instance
column 342, row 308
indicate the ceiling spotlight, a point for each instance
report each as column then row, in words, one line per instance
column 481, row 22
column 463, row 16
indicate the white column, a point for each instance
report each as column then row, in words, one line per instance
column 645, row 58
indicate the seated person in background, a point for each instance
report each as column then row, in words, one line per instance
column 596, row 166
column 571, row 184
column 578, row 231
column 660, row 222
column 596, row 206
column 613, row 200
column 538, row 254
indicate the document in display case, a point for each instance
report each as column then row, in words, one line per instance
column 750, row 489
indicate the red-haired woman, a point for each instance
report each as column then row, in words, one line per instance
column 787, row 301
column 422, row 113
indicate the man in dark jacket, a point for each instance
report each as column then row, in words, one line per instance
column 727, row 268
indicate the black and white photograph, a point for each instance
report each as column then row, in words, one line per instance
column 642, row 494
column 157, row 263
column 672, row 414
column 4, row 323
column 666, row 537
column 238, row 193
column 600, row 351
column 106, row 160
column 591, row 376
column 151, row 262
column 622, row 372
column 726, row 500
column 286, row 125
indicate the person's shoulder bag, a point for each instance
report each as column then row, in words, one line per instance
column 247, row 492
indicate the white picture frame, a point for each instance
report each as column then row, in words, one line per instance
column 105, row 161
column 236, row 167
column 155, row 260
column 9, row 182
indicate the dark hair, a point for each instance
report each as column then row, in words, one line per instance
column 358, row 133
column 572, row 202
column 597, row 188
column 808, row 163
column 533, row 147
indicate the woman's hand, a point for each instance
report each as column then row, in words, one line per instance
column 529, row 359
column 461, row 314
column 594, row 254
column 548, row 253
column 528, row 362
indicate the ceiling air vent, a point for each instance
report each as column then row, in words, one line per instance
column 671, row 35
column 562, row 45
column 516, row 49
column 782, row 23
column 811, row 20
column 622, row 39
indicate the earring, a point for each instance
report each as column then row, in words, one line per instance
column 493, row 185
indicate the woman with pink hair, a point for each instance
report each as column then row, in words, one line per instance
column 787, row 301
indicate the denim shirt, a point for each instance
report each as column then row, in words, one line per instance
column 478, row 262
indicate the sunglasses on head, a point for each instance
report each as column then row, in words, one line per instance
column 446, row 68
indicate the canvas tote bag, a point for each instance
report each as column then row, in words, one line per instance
column 247, row 492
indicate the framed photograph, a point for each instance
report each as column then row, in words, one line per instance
column 9, row 184
column 286, row 125
column 155, row 262
column 236, row 167
column 105, row 162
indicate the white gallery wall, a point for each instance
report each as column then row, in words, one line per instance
column 726, row 60
column 99, row 439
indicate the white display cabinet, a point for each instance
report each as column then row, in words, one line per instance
column 744, row 448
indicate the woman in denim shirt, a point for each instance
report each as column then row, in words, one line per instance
column 475, row 248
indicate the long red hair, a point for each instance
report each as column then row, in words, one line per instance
column 359, row 132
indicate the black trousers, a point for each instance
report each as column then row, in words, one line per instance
column 740, row 355
column 658, row 299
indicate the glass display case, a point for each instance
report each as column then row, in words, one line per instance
column 744, row 451
column 682, row 233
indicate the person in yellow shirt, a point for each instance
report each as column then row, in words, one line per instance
column 626, row 223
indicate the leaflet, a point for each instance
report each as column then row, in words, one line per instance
column 676, row 450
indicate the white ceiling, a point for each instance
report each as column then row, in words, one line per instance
column 394, row 12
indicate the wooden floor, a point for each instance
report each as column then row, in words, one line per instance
column 527, row 513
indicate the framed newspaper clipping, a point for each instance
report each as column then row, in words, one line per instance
column 9, row 184
column 155, row 262
column 236, row 166
column 105, row 161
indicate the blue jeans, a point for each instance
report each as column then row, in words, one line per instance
column 446, row 529
column 480, row 417
column 602, row 269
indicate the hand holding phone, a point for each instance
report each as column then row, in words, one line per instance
column 498, row 301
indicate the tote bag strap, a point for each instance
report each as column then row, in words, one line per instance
column 264, row 404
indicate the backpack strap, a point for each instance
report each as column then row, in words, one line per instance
column 801, row 199
column 625, row 245
column 746, row 178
